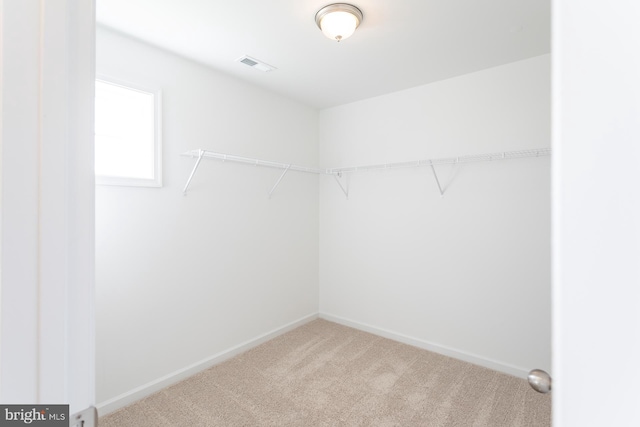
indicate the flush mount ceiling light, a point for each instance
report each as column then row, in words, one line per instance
column 339, row 20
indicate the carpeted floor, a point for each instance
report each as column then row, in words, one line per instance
column 325, row 374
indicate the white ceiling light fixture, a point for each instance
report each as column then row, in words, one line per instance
column 339, row 20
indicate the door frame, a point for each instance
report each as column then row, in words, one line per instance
column 47, row 72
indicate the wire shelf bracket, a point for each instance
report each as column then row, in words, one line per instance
column 435, row 175
column 344, row 188
column 443, row 188
column 278, row 181
column 193, row 172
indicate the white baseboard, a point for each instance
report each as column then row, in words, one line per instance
column 147, row 389
column 436, row 348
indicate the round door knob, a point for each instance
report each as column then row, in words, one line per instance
column 540, row 381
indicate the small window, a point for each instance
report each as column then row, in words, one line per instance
column 127, row 135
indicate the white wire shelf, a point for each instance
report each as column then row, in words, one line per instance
column 505, row 155
column 250, row 161
column 339, row 172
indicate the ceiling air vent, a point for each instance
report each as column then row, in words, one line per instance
column 257, row 64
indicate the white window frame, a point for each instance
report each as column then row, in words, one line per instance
column 139, row 182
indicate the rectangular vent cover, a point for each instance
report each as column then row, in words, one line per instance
column 255, row 63
column 249, row 62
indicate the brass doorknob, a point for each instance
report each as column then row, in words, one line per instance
column 540, row 381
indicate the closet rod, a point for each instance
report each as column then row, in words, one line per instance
column 200, row 154
column 250, row 161
column 338, row 172
column 539, row 152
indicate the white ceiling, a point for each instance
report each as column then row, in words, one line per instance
column 400, row 43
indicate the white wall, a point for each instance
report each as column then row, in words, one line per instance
column 181, row 279
column 467, row 274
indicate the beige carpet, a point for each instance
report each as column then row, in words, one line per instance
column 324, row 374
